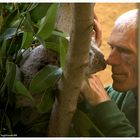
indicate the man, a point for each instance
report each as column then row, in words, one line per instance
column 115, row 109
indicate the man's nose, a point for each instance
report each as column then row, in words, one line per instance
column 114, row 58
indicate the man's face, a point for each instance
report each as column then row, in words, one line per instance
column 123, row 59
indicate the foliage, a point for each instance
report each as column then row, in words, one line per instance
column 23, row 26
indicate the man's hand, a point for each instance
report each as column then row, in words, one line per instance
column 94, row 92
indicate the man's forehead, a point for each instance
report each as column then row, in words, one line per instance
column 123, row 39
column 127, row 21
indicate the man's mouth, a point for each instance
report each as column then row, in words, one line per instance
column 119, row 77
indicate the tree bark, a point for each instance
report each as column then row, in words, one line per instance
column 70, row 84
column 64, row 17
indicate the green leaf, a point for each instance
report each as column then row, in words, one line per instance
column 59, row 33
column 3, row 50
column 22, row 90
column 72, row 132
column 46, row 101
column 33, row 6
column 39, row 10
column 48, row 22
column 57, row 40
column 9, row 33
column 63, row 51
column 27, row 40
column 45, row 78
column 40, row 39
column 53, row 46
column 15, row 23
column 9, row 20
column 10, row 74
column 1, row 22
column 28, row 24
column 83, row 125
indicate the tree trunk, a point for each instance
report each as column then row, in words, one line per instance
column 70, row 84
column 64, row 17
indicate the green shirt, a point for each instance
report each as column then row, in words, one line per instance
column 127, row 103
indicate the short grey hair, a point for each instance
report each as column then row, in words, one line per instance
column 127, row 20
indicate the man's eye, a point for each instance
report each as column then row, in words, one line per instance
column 122, row 50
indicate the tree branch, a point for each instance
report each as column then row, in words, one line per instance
column 70, row 84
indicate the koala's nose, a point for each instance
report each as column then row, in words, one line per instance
column 103, row 63
column 90, row 53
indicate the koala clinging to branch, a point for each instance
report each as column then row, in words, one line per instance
column 64, row 23
column 96, row 59
column 40, row 56
column 96, row 63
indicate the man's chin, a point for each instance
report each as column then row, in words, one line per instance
column 118, row 87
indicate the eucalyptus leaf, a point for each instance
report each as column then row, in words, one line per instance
column 59, row 33
column 83, row 125
column 9, row 20
column 39, row 10
column 48, row 22
column 15, row 23
column 41, row 40
column 1, row 22
column 45, row 78
column 53, row 46
column 57, row 40
column 34, row 5
column 46, row 101
column 3, row 50
column 27, row 40
column 10, row 74
column 9, row 33
column 28, row 24
column 72, row 132
column 22, row 90
column 15, row 45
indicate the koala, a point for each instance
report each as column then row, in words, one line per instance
column 96, row 63
column 39, row 57
column 96, row 59
column 35, row 59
